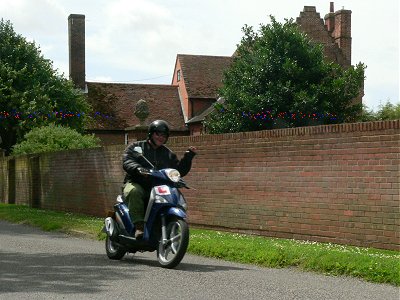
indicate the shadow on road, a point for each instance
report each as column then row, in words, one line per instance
column 47, row 267
column 78, row 273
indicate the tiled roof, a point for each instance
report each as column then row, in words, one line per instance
column 114, row 105
column 203, row 74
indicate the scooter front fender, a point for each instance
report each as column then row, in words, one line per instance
column 176, row 211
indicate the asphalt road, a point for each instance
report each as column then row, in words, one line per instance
column 40, row 265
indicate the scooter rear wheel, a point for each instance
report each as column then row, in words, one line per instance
column 171, row 253
column 113, row 250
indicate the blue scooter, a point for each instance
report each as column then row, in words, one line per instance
column 165, row 226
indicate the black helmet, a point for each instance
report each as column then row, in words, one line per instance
column 159, row 126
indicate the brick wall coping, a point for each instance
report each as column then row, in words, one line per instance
column 299, row 131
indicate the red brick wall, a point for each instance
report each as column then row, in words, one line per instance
column 333, row 183
column 83, row 181
column 109, row 137
column 326, row 183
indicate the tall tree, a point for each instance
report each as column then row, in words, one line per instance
column 386, row 111
column 279, row 78
column 32, row 93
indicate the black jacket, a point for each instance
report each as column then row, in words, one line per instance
column 161, row 158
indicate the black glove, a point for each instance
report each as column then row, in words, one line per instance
column 143, row 171
column 192, row 150
column 189, row 154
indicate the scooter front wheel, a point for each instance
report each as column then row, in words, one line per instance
column 171, row 251
column 113, row 250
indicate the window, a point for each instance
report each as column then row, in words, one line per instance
column 178, row 75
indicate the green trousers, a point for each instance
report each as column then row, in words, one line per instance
column 135, row 196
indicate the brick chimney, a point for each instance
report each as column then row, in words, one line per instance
column 76, row 44
column 342, row 33
column 330, row 19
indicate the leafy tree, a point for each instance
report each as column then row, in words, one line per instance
column 279, row 78
column 388, row 111
column 32, row 93
column 54, row 138
column 367, row 114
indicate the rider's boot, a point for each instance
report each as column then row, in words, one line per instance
column 139, row 230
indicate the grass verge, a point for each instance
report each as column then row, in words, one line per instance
column 375, row 265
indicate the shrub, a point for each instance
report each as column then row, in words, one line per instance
column 387, row 111
column 54, row 138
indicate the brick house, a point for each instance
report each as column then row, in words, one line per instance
column 195, row 81
column 198, row 78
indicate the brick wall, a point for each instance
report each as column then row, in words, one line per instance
column 326, row 183
column 332, row 183
column 109, row 137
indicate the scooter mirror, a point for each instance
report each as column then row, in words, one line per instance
column 138, row 150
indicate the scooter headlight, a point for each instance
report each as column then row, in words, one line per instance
column 173, row 175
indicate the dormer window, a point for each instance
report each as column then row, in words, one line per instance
column 178, row 75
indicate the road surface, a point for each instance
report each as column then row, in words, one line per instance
column 40, row 265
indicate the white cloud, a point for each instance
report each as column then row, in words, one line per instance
column 134, row 40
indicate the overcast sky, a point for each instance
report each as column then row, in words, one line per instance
column 136, row 41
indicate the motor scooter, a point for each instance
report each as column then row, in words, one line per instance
column 165, row 226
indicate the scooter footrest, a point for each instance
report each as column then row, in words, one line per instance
column 133, row 243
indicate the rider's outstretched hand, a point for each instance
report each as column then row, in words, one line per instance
column 193, row 149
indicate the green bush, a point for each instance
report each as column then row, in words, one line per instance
column 387, row 111
column 54, row 138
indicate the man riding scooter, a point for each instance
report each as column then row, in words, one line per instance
column 136, row 185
